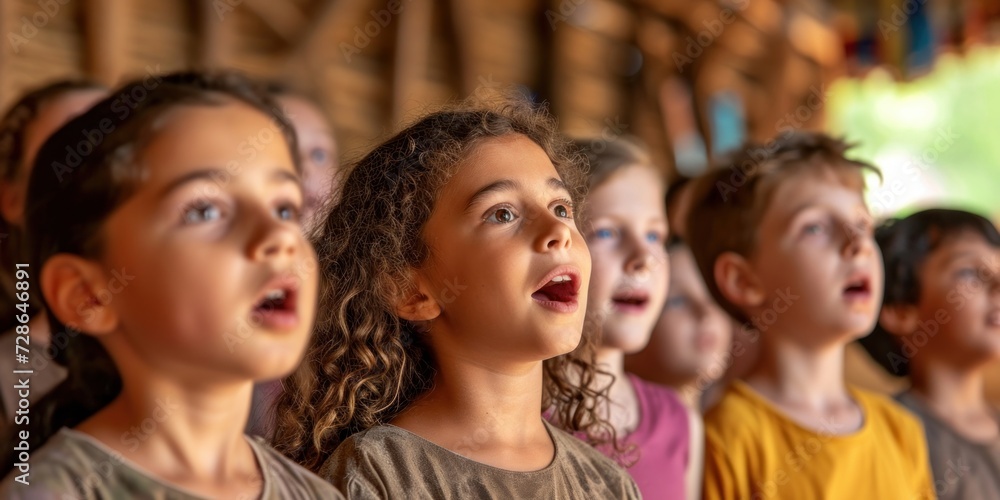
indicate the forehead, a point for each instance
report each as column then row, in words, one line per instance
column 512, row 156
column 229, row 135
column 966, row 243
column 635, row 188
column 829, row 187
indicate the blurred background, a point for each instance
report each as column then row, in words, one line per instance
column 913, row 82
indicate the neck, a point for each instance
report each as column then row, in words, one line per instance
column 194, row 430
column 948, row 387
column 502, row 407
column 808, row 374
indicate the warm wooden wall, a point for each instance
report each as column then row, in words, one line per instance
column 598, row 62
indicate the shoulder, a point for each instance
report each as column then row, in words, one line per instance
column 659, row 399
column 365, row 464
column 287, row 478
column 889, row 415
column 738, row 416
column 589, row 464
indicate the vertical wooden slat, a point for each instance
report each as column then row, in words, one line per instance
column 5, row 28
column 214, row 35
column 106, row 31
column 413, row 45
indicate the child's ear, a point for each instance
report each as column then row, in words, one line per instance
column 416, row 304
column 900, row 319
column 10, row 201
column 736, row 280
column 74, row 288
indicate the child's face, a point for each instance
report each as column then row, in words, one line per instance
column 819, row 270
column 693, row 332
column 317, row 150
column 502, row 241
column 626, row 230
column 51, row 116
column 210, row 271
column 959, row 306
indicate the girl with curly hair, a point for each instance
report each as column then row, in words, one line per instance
column 455, row 291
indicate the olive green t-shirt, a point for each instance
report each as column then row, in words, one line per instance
column 963, row 469
column 390, row 462
column 73, row 465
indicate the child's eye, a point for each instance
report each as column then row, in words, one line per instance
column 318, row 155
column 288, row 212
column 654, row 237
column 501, row 215
column 603, row 234
column 967, row 273
column 675, row 302
column 201, row 211
column 564, row 209
column 815, row 228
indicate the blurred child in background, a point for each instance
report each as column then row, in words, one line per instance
column 626, row 230
column 784, row 241
column 27, row 124
column 940, row 324
column 689, row 349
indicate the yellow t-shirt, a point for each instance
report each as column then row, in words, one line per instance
column 753, row 451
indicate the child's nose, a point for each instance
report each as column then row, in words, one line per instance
column 553, row 234
column 274, row 238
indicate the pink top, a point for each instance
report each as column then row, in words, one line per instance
column 662, row 438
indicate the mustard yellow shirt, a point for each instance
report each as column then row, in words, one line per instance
column 753, row 451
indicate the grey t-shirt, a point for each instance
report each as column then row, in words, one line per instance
column 73, row 465
column 390, row 462
column 963, row 469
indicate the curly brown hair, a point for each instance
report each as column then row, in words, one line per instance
column 365, row 365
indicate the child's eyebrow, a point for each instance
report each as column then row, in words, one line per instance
column 509, row 185
column 211, row 174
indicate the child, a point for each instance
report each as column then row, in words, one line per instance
column 175, row 272
column 626, row 232
column 457, row 284
column 317, row 148
column 318, row 152
column 940, row 323
column 30, row 121
column 688, row 350
column 783, row 239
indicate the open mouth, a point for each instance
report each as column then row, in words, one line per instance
column 631, row 301
column 559, row 290
column 277, row 305
column 858, row 288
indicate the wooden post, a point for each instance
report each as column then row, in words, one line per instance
column 214, row 35
column 106, row 32
column 413, row 46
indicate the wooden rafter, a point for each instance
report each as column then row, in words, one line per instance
column 413, row 46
